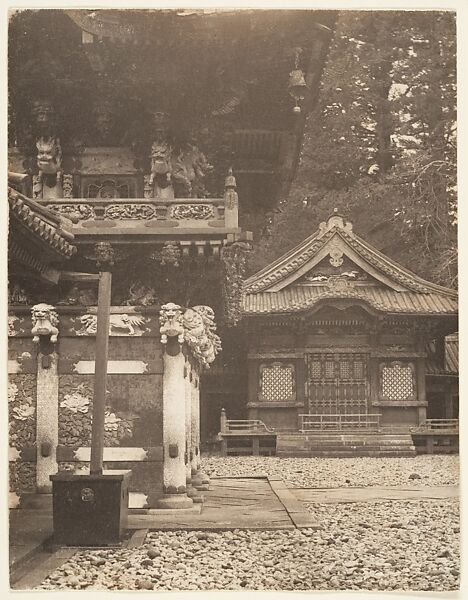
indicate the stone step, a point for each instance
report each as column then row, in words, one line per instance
column 370, row 448
column 346, row 440
column 346, row 453
column 333, row 436
column 348, row 444
column 345, row 444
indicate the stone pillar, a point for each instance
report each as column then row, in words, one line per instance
column 190, row 419
column 200, row 480
column 188, row 422
column 46, row 420
column 174, row 433
column 194, row 424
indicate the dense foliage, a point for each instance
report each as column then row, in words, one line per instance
column 380, row 145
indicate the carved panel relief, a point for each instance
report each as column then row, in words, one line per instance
column 119, row 325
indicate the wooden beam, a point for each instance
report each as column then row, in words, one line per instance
column 78, row 276
column 100, row 377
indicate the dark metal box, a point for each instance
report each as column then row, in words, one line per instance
column 90, row 510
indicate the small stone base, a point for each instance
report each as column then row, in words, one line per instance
column 201, row 481
column 203, row 487
column 175, row 501
column 193, row 493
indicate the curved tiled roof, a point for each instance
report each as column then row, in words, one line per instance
column 41, row 222
column 301, row 298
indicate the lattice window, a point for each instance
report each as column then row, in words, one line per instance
column 345, row 371
column 277, row 382
column 397, row 381
column 315, row 369
column 359, row 370
column 329, row 369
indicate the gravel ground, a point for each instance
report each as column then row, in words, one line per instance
column 341, row 472
column 397, row 545
column 384, row 546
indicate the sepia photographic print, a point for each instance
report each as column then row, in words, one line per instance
column 233, row 299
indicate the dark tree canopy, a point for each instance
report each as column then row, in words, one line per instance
column 381, row 143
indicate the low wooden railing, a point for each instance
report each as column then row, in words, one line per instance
column 438, row 425
column 243, row 426
column 312, row 422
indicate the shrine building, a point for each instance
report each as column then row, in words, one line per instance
column 149, row 149
column 338, row 339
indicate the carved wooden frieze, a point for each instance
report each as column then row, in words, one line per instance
column 82, row 212
column 338, row 282
column 199, row 212
column 119, row 325
column 130, row 211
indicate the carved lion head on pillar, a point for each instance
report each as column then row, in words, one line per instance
column 170, row 319
column 45, row 320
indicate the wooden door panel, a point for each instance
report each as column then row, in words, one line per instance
column 337, row 383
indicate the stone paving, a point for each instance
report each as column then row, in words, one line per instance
column 230, row 504
column 375, row 494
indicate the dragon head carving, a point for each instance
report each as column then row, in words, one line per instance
column 49, row 155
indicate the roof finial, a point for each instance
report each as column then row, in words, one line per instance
column 335, row 221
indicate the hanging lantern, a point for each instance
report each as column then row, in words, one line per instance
column 297, row 83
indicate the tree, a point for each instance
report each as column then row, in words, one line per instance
column 380, row 145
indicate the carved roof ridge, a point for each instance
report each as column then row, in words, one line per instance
column 383, row 260
column 273, row 272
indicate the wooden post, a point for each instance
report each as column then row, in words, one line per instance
column 223, row 424
column 104, row 253
column 255, row 446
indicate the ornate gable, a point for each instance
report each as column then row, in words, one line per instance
column 335, row 251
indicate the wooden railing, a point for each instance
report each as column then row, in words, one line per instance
column 334, row 422
column 243, row 426
column 438, row 425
